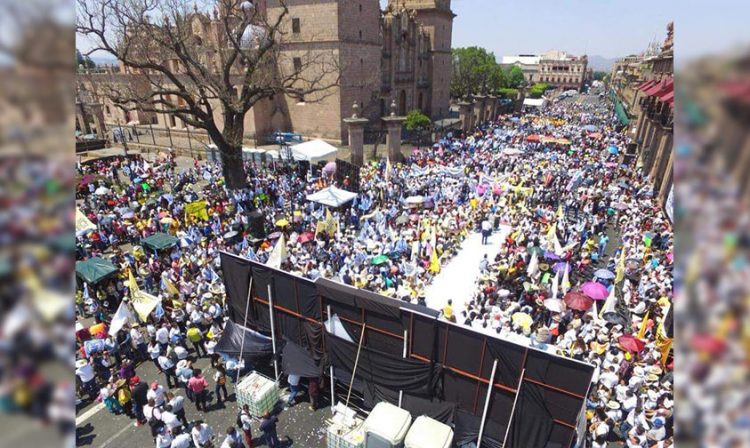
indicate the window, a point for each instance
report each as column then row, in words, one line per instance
column 360, row 7
column 297, row 65
column 295, row 26
column 106, row 108
column 360, row 34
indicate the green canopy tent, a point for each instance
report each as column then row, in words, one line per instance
column 94, row 270
column 159, row 241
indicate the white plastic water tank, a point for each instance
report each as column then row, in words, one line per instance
column 428, row 433
column 386, row 426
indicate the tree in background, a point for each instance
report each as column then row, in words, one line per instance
column 599, row 76
column 417, row 122
column 514, row 77
column 475, row 71
column 172, row 71
column 84, row 61
column 538, row 89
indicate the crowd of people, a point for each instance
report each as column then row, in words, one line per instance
column 575, row 209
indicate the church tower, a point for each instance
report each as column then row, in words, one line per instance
column 436, row 18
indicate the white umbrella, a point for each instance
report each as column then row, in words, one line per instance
column 554, row 305
column 415, row 200
column 101, row 191
column 512, row 151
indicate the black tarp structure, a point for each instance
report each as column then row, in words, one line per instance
column 298, row 361
column 254, row 345
column 436, row 364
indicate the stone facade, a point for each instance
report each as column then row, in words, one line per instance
column 562, row 70
column 401, row 54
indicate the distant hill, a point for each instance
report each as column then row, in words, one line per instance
column 601, row 64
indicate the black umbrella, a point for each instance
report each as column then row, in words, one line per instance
column 615, row 318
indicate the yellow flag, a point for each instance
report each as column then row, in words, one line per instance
column 663, row 343
column 171, row 288
column 434, row 262
column 197, row 209
column 332, row 225
column 620, row 270
column 132, row 284
column 560, row 213
column 642, row 330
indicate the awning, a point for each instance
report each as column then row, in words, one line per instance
column 647, row 85
column 159, row 241
column 314, row 151
column 660, row 88
column 94, row 270
column 622, row 116
column 332, row 196
column 667, row 97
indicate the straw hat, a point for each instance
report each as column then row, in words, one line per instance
column 613, row 404
column 651, row 378
column 654, row 370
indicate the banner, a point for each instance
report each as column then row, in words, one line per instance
column 119, row 319
column 197, row 209
column 143, row 302
column 83, row 224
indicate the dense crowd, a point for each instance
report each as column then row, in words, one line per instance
column 573, row 216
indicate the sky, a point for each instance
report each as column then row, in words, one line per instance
column 609, row 28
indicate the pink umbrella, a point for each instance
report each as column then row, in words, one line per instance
column 595, row 290
column 330, row 168
column 305, row 237
column 577, row 301
column 631, row 343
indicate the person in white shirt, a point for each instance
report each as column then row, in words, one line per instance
column 170, row 418
column 139, row 343
column 181, row 440
column 154, row 351
column 156, row 392
column 211, row 346
column 180, row 351
column 202, row 434
column 85, row 372
column 167, row 366
column 162, row 336
column 609, row 378
column 163, row 439
column 636, row 438
column 177, row 402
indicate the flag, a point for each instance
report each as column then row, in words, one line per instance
column 143, row 302
column 620, row 270
column 566, row 280
column 555, row 284
column 387, row 169
column 434, row 262
column 560, row 214
column 533, row 265
column 120, row 318
column 610, row 305
column 167, row 285
column 197, row 209
column 278, row 255
column 642, row 330
column 332, row 225
column 663, row 343
column 83, row 224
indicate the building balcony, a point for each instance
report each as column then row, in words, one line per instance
column 404, row 77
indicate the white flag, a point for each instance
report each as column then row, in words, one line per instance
column 278, row 255
column 120, row 318
column 554, row 284
column 533, row 265
column 566, row 279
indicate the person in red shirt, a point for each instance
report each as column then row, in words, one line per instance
column 199, row 386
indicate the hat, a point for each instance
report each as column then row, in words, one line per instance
column 658, row 423
column 81, row 363
column 135, row 379
column 639, row 371
column 651, row 378
column 613, row 404
column 154, row 385
column 654, row 370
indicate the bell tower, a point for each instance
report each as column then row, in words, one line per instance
column 436, row 18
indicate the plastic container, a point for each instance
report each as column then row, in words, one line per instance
column 386, row 426
column 259, row 393
column 344, row 436
column 426, row 432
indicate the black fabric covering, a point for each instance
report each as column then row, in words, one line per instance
column 416, row 405
column 423, row 336
column 284, row 291
column 312, row 340
column 509, row 361
column 380, row 368
column 309, row 300
column 559, row 372
column 230, row 343
column 296, row 360
column 262, row 277
column 532, row 423
column 466, row 430
column 237, row 282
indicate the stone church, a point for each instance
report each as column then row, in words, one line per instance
column 401, row 54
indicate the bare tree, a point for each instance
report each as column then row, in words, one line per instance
column 207, row 81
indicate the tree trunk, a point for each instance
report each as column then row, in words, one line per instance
column 231, row 152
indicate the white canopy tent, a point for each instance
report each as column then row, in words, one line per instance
column 332, row 196
column 314, row 151
column 534, row 102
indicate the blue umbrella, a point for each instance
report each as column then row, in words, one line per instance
column 613, row 149
column 514, row 119
column 604, row 274
column 590, row 128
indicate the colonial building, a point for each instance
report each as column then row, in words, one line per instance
column 559, row 69
column 399, row 54
column 655, row 130
column 528, row 63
